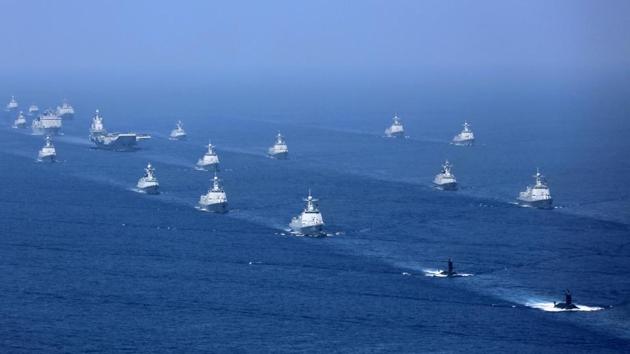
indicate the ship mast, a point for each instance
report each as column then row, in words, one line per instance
column 539, row 178
column 311, row 203
column 216, row 187
column 446, row 168
column 149, row 171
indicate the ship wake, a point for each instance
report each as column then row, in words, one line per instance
column 550, row 307
column 437, row 273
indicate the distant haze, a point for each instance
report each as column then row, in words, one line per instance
column 324, row 57
column 314, row 38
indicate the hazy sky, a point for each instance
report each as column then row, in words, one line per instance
column 315, row 38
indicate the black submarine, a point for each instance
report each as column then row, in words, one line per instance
column 568, row 302
column 449, row 272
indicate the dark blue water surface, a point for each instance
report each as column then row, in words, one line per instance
column 88, row 264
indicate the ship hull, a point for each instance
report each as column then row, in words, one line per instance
column 19, row 126
column 121, row 143
column 312, row 230
column 219, row 208
column 177, row 137
column 209, row 167
column 469, row 142
column 279, row 155
column 45, row 131
column 565, row 306
column 67, row 116
column 539, row 204
column 396, row 135
column 47, row 158
column 150, row 189
column 447, row 186
column 52, row 131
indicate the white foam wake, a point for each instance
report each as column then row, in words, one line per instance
column 549, row 307
column 438, row 273
column 137, row 190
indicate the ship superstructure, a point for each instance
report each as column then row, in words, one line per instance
column 466, row 137
column 149, row 183
column 538, row 195
column 20, row 121
column 279, row 150
column 396, row 130
column 112, row 141
column 215, row 200
column 178, row 133
column 310, row 221
column 445, row 180
column 65, row 111
column 47, row 153
column 210, row 160
column 48, row 123
column 568, row 302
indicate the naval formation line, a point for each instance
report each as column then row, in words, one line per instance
column 308, row 223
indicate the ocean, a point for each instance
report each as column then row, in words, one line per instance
column 89, row 264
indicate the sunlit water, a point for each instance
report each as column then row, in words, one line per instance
column 91, row 264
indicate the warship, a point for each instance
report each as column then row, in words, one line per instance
column 20, row 121
column 537, row 196
column 396, row 130
column 47, row 123
column 33, row 110
column 465, row 138
column 149, row 183
column 178, row 133
column 216, row 199
column 12, row 105
column 279, row 150
column 210, row 160
column 47, row 152
column 310, row 221
column 445, row 180
column 112, row 141
column 65, row 111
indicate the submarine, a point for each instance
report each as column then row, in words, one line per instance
column 568, row 302
column 449, row 272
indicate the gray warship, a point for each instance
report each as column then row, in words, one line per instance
column 310, row 221
column 537, row 196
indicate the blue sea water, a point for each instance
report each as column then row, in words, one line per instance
column 90, row 265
